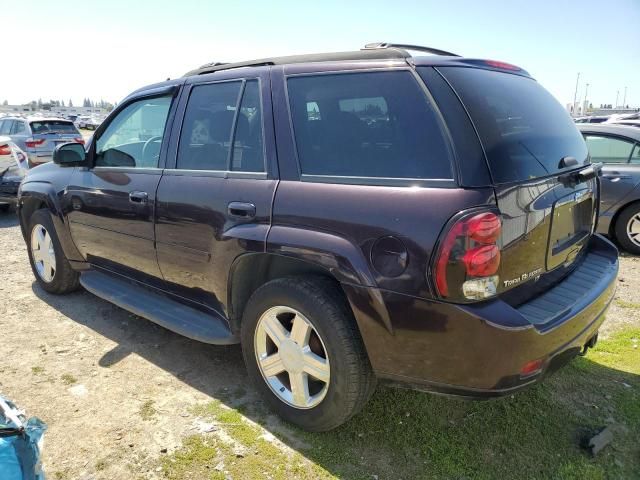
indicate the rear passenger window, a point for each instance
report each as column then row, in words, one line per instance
column 375, row 124
column 208, row 129
column 5, row 126
column 608, row 150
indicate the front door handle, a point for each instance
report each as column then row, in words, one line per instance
column 139, row 197
column 241, row 210
column 616, row 177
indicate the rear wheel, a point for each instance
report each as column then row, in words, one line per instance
column 627, row 229
column 48, row 262
column 303, row 351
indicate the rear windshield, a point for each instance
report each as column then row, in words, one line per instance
column 524, row 130
column 53, row 126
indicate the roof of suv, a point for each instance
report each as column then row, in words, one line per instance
column 371, row 51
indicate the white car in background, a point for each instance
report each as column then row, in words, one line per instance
column 13, row 167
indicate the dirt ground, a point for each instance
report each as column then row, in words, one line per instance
column 117, row 391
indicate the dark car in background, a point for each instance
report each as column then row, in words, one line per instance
column 347, row 217
column 39, row 136
column 617, row 147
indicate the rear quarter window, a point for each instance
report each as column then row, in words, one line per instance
column 524, row 130
column 367, row 125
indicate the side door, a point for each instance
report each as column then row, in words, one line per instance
column 214, row 199
column 111, row 203
column 619, row 176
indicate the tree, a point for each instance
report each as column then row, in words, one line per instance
column 62, row 102
column 39, row 103
column 5, row 102
column 70, row 103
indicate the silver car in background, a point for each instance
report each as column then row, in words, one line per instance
column 38, row 136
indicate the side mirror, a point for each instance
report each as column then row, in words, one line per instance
column 69, row 154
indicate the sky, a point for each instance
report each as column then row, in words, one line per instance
column 104, row 50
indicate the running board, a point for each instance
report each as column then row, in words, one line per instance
column 174, row 316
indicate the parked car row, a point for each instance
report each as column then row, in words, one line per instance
column 632, row 119
column 348, row 218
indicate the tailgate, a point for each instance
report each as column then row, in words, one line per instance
column 545, row 188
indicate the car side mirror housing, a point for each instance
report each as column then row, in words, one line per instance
column 69, row 154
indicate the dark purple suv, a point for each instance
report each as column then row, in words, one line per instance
column 347, row 217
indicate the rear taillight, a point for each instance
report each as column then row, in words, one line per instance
column 5, row 149
column 468, row 260
column 79, row 140
column 33, row 143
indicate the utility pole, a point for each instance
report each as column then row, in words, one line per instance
column 584, row 103
column 624, row 100
column 575, row 96
column 617, row 95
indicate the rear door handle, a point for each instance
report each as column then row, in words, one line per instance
column 241, row 210
column 139, row 197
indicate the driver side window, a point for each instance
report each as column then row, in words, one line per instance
column 134, row 137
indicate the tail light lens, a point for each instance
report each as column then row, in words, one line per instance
column 32, row 143
column 5, row 149
column 468, row 260
column 79, row 140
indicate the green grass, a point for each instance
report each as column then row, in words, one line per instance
column 147, row 410
column 37, row 370
column 626, row 304
column 403, row 434
column 68, row 379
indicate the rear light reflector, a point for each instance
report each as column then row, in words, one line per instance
column 31, row 143
column 5, row 149
column 467, row 264
column 482, row 261
column 531, row 367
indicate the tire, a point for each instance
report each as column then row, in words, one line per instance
column 63, row 279
column 629, row 217
column 322, row 304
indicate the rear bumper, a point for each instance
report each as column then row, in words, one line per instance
column 479, row 350
column 8, row 192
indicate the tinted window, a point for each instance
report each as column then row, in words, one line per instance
column 367, row 125
column 608, row 149
column 206, row 131
column 524, row 130
column 133, row 138
column 248, row 153
column 52, row 126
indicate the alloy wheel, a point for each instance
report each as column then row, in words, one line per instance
column 43, row 254
column 292, row 357
column 633, row 229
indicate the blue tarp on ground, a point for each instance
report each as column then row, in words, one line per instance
column 20, row 442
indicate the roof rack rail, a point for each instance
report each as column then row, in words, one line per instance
column 417, row 48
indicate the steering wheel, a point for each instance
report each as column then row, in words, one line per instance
column 149, row 142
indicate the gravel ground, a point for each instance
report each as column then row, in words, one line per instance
column 117, row 391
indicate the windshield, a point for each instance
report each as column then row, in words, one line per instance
column 524, row 130
column 53, row 126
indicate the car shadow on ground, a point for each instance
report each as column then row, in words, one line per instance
column 401, row 433
column 8, row 219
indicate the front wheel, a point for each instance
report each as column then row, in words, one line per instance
column 304, row 352
column 48, row 262
column 627, row 229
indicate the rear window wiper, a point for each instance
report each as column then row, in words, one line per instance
column 571, row 179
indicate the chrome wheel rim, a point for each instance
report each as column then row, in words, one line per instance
column 43, row 254
column 292, row 357
column 633, row 229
